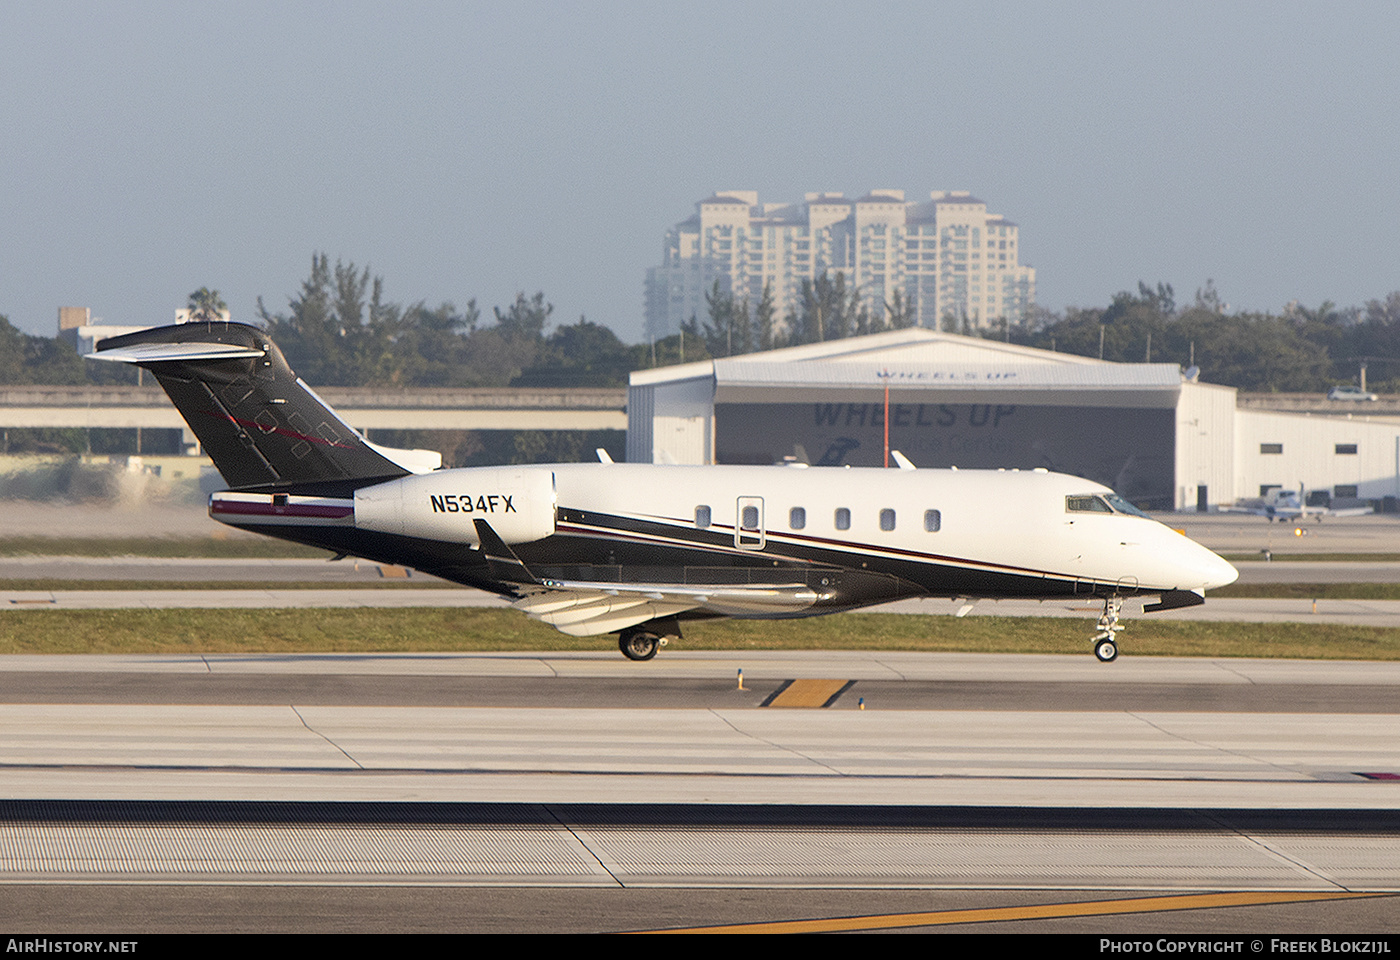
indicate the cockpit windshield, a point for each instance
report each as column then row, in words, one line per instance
column 1120, row 505
column 1102, row 503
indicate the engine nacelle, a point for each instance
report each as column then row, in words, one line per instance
column 518, row 502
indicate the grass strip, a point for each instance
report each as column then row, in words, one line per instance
column 424, row 630
column 1313, row 557
column 1308, row 591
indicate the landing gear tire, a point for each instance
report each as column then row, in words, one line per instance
column 638, row 644
column 1105, row 645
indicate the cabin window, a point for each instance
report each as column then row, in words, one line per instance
column 933, row 520
column 702, row 517
column 887, row 519
column 748, row 518
column 1346, row 448
column 843, row 518
column 1271, row 448
column 797, row 518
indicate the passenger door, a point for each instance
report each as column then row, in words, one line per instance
column 748, row 523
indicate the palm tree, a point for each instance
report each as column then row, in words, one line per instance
column 206, row 304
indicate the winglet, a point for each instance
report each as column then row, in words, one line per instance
column 904, row 462
column 603, row 456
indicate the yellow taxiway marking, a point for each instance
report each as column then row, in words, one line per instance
column 807, row 693
column 1197, row 901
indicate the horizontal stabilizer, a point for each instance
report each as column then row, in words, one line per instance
column 414, row 461
column 143, row 353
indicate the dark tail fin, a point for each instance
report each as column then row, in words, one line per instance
column 262, row 426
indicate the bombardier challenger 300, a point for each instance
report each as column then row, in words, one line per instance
column 638, row 549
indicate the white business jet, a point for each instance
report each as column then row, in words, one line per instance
column 638, row 549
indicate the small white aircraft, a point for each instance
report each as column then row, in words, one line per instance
column 1288, row 505
column 636, row 549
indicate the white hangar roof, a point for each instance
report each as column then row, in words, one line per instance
column 925, row 361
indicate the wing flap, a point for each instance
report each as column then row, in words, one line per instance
column 587, row 609
column 604, row 620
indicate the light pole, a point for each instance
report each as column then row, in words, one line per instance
column 885, row 376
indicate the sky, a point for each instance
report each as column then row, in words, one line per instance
column 475, row 150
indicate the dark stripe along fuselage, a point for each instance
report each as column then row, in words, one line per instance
column 601, row 548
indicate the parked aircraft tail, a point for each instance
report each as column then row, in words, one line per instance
column 265, row 429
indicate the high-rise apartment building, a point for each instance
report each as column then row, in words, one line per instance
column 953, row 263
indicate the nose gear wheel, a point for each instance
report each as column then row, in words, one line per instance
column 1106, row 641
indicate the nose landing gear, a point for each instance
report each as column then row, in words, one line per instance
column 1106, row 642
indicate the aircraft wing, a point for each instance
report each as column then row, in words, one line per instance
column 1272, row 513
column 1298, row 513
column 583, row 609
column 1350, row 511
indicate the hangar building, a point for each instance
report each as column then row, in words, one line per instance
column 1160, row 439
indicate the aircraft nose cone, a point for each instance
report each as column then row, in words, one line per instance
column 1216, row 571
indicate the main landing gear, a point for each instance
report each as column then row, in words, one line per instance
column 642, row 640
column 639, row 644
column 1106, row 642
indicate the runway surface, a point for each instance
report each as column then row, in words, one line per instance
column 989, row 783
column 583, row 793
column 1243, row 534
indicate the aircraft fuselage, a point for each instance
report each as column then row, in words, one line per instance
column 852, row 536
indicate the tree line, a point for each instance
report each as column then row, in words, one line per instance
column 338, row 329
column 1298, row 350
column 827, row 309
